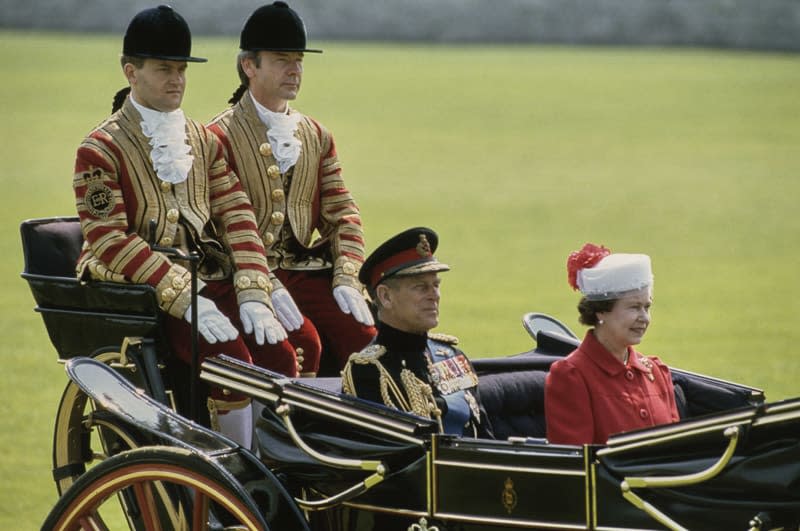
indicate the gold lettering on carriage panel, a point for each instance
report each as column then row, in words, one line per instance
column 509, row 496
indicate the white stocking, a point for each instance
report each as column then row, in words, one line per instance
column 258, row 407
column 237, row 424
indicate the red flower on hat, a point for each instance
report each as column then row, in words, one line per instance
column 588, row 256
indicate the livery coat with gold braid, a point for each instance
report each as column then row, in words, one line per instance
column 117, row 194
column 316, row 199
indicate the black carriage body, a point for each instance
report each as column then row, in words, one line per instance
column 509, row 485
column 732, row 462
column 82, row 318
column 728, row 467
column 358, row 466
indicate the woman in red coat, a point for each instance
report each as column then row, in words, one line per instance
column 605, row 386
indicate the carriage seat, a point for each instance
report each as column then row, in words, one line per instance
column 514, row 403
column 82, row 318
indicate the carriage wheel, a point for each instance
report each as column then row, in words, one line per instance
column 83, row 436
column 199, row 492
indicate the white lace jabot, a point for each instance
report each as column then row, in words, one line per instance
column 171, row 155
column 281, row 127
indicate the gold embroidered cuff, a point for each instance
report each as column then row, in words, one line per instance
column 276, row 283
column 174, row 291
column 252, row 286
column 345, row 273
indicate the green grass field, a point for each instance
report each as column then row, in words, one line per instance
column 515, row 155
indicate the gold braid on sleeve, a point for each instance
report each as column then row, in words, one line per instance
column 420, row 399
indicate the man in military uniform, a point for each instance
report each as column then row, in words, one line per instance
column 149, row 174
column 407, row 367
column 309, row 222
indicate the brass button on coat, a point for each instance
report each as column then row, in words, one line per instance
column 173, row 215
column 263, row 282
column 269, row 238
column 277, row 218
column 166, row 240
column 165, row 186
column 348, row 268
column 179, row 283
column 243, row 283
column 265, row 149
column 277, row 194
column 274, row 172
column 168, row 295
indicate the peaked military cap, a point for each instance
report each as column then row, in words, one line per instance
column 159, row 33
column 276, row 28
column 408, row 253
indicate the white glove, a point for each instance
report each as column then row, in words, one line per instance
column 286, row 309
column 351, row 301
column 257, row 319
column 211, row 323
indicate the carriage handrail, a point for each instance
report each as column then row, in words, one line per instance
column 378, row 468
column 628, row 483
column 284, row 411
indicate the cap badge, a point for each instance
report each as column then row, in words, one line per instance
column 424, row 247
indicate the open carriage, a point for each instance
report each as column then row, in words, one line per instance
column 327, row 461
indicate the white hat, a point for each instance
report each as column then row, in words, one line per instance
column 606, row 276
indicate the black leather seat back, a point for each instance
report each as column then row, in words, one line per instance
column 51, row 246
column 514, row 403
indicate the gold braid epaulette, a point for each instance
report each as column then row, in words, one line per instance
column 420, row 395
column 443, row 338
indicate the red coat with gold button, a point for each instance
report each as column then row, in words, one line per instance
column 117, row 193
column 590, row 394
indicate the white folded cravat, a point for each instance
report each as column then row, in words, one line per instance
column 281, row 127
column 166, row 131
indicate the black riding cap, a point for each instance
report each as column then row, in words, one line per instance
column 159, row 33
column 275, row 28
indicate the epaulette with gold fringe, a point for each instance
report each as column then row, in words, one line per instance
column 443, row 338
column 370, row 354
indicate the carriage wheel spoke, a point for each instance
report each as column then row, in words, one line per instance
column 200, row 510
column 144, row 498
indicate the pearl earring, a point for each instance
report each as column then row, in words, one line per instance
column 600, row 321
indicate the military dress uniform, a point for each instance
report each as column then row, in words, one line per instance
column 118, row 193
column 309, row 223
column 422, row 374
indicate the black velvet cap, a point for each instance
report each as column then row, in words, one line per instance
column 408, row 253
column 276, row 28
column 159, row 33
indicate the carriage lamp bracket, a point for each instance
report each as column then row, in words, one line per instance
column 732, row 433
column 377, row 467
